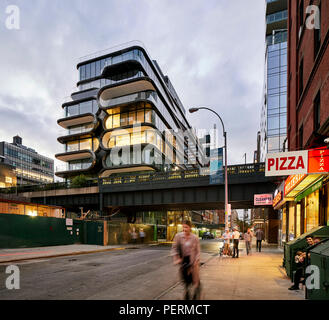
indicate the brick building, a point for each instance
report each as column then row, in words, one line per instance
column 308, row 74
column 305, row 205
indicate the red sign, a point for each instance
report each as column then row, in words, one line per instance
column 292, row 182
column 318, row 160
column 277, row 199
column 263, row 199
column 286, row 163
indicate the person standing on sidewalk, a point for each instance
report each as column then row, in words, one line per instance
column 248, row 240
column 142, row 234
column 186, row 253
column 236, row 239
column 259, row 238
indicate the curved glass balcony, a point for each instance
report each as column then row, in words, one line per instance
column 80, row 108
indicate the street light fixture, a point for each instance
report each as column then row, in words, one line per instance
column 193, row 110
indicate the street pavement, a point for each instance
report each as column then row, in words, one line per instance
column 141, row 272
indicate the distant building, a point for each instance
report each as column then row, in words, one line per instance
column 30, row 167
column 7, row 174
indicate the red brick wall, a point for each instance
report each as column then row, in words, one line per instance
column 316, row 75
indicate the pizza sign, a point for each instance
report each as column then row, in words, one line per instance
column 286, row 163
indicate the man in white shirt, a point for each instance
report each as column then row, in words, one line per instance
column 236, row 238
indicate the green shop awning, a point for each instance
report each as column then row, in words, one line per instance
column 317, row 185
column 209, row 226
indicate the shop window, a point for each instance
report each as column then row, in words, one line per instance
column 312, row 211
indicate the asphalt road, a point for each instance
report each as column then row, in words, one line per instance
column 132, row 274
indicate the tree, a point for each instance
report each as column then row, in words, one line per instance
column 79, row 181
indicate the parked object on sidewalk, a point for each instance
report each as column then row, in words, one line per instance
column 207, row 235
column 226, row 247
column 300, row 244
column 225, row 250
column 319, row 257
column 186, row 253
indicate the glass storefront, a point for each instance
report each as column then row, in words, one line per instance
column 291, row 222
column 284, row 225
column 311, row 211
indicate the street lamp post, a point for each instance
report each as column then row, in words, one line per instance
column 192, row 110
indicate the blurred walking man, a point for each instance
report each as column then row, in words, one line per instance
column 186, row 253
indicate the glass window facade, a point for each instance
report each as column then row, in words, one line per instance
column 274, row 112
column 89, row 106
column 83, row 144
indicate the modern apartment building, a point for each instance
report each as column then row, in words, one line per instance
column 30, row 166
column 274, row 108
column 125, row 117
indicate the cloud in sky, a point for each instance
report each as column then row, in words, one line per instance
column 213, row 52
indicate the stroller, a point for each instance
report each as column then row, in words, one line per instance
column 221, row 249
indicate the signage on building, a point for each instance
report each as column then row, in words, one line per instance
column 292, row 182
column 69, row 222
column 216, row 166
column 277, row 198
column 263, row 199
column 318, row 161
column 286, row 163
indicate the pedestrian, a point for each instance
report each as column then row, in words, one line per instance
column 248, row 240
column 134, row 236
column 186, row 253
column 236, row 239
column 227, row 237
column 142, row 234
column 259, row 238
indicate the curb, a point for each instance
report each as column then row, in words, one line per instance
column 68, row 254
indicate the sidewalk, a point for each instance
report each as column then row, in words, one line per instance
column 20, row 254
column 255, row 277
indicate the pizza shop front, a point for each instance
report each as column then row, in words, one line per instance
column 304, row 206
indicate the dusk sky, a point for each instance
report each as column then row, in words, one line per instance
column 212, row 51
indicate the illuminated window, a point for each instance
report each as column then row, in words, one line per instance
column 72, row 146
column 116, row 121
column 9, row 180
column 132, row 118
column 148, row 116
column 108, row 123
column 2, row 185
column 124, row 119
column 123, row 140
column 95, row 144
column 86, row 144
column 140, row 116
